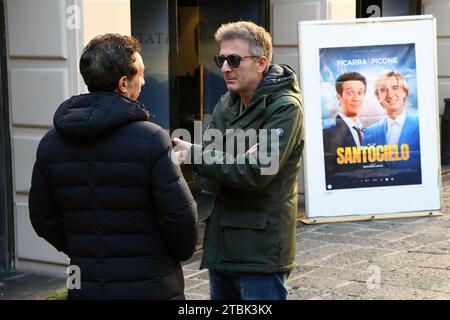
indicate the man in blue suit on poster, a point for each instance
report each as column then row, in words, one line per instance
column 399, row 128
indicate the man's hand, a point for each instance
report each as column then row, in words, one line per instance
column 180, row 150
column 252, row 150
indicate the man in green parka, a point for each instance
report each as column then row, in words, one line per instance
column 249, row 243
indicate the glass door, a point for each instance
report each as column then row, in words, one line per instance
column 150, row 25
column 182, row 82
column 198, row 83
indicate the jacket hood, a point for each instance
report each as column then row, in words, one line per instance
column 90, row 116
column 278, row 77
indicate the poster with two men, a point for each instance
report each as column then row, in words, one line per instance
column 370, row 119
column 370, row 101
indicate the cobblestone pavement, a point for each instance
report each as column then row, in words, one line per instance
column 407, row 258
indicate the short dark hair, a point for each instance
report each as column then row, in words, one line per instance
column 106, row 59
column 349, row 76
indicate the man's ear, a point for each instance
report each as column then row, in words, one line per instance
column 262, row 63
column 122, row 85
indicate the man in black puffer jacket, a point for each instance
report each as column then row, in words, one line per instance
column 104, row 189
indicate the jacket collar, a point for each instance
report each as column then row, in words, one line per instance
column 255, row 108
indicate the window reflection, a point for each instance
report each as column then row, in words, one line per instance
column 149, row 24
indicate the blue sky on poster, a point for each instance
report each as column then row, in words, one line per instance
column 369, row 61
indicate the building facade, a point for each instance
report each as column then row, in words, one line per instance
column 40, row 47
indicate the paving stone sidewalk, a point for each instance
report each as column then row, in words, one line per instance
column 407, row 258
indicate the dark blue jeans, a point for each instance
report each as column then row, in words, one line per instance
column 247, row 286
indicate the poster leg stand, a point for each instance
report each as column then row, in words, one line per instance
column 305, row 220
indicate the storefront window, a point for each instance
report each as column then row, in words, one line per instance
column 200, row 82
column 149, row 24
column 189, row 85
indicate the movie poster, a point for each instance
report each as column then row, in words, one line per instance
column 370, row 116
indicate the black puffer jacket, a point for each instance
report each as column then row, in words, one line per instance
column 105, row 192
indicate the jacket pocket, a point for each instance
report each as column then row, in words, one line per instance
column 243, row 238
